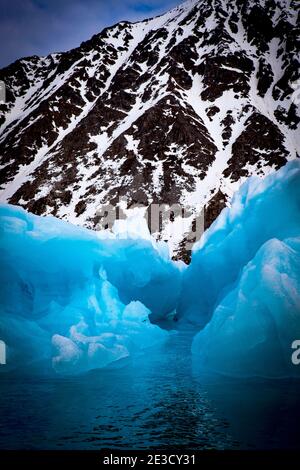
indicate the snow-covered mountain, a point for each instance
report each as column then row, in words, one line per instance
column 181, row 108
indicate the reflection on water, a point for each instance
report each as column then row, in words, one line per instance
column 152, row 401
column 262, row 414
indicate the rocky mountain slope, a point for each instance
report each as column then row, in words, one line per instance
column 181, row 108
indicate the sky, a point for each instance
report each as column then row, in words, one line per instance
column 39, row 27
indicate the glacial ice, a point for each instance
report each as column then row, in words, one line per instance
column 262, row 210
column 70, row 296
column 252, row 329
column 243, row 285
column 74, row 300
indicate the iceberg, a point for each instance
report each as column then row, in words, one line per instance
column 74, row 299
column 243, row 286
column 253, row 328
column 262, row 210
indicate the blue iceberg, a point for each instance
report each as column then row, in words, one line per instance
column 253, row 328
column 243, row 286
column 262, row 210
column 70, row 298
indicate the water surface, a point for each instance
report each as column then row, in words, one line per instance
column 152, row 401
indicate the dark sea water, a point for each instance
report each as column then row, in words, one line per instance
column 152, row 401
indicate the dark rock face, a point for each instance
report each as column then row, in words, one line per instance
column 252, row 144
column 222, row 73
column 176, row 109
column 213, row 209
column 264, row 76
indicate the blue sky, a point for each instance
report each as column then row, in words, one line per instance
column 38, row 27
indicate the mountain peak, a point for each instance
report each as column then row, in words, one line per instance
column 180, row 108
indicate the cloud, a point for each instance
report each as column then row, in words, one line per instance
column 38, row 27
